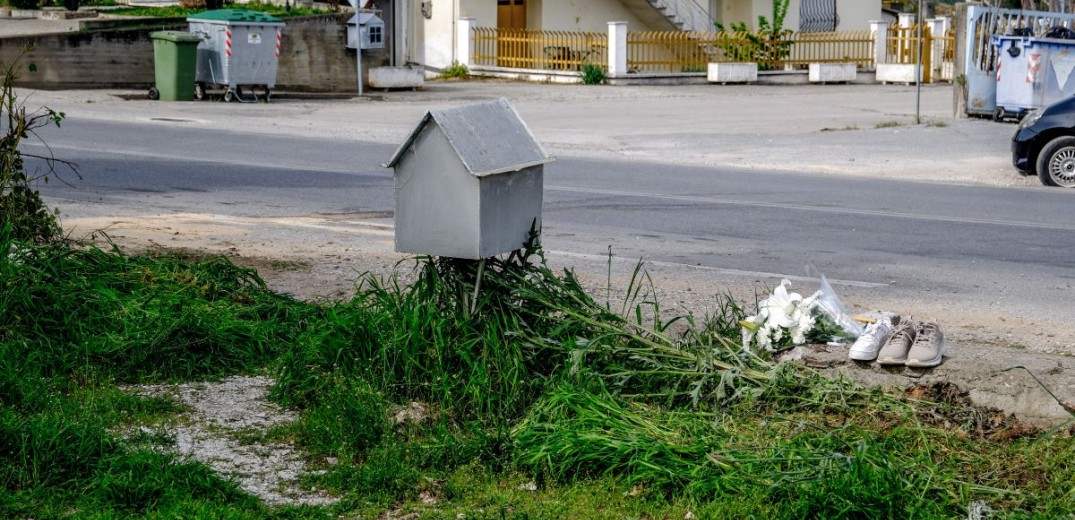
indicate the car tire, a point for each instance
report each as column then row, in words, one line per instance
column 1056, row 163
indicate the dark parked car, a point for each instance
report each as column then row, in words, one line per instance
column 1044, row 144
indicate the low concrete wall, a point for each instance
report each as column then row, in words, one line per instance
column 312, row 57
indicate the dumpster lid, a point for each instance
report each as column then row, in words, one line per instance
column 175, row 36
column 235, row 15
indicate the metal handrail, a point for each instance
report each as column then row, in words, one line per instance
column 693, row 16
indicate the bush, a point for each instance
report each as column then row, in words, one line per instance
column 455, row 70
column 21, row 206
column 593, row 74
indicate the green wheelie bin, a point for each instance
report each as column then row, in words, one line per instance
column 175, row 58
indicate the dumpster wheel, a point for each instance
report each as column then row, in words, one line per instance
column 229, row 95
column 154, row 94
column 199, row 91
column 999, row 114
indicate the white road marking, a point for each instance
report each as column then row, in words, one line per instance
column 820, row 209
column 731, row 272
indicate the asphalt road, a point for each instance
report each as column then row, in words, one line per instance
column 1005, row 246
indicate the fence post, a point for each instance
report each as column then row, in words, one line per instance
column 906, row 20
column 617, row 48
column 462, row 41
column 879, row 30
column 938, row 29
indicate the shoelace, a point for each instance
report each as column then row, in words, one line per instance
column 926, row 331
column 901, row 332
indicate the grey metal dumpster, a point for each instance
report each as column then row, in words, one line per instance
column 239, row 48
column 1032, row 73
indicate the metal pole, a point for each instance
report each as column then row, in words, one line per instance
column 918, row 69
column 358, row 56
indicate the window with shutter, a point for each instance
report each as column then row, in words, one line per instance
column 818, row 16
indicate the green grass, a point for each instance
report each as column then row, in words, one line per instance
column 455, row 70
column 888, row 124
column 539, row 401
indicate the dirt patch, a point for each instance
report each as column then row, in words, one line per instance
column 954, row 410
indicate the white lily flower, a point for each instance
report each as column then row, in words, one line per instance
column 779, row 314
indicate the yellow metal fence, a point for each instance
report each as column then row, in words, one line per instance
column 903, row 48
column 684, row 51
column 534, row 49
column 668, row 51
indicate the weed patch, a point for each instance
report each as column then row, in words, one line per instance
column 528, row 398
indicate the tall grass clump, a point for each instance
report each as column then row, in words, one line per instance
column 490, row 359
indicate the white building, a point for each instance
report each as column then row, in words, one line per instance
column 425, row 31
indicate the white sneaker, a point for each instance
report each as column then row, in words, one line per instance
column 869, row 343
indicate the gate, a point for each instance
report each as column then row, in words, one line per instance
column 980, row 58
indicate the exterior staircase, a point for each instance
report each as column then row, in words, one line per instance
column 683, row 15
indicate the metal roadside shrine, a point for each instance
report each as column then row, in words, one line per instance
column 469, row 183
column 240, row 48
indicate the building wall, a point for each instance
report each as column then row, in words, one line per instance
column 730, row 12
column 587, row 15
column 312, row 57
column 855, row 15
column 435, row 37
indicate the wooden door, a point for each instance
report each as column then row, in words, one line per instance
column 511, row 14
column 511, row 48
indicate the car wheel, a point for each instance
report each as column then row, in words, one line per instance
column 1056, row 163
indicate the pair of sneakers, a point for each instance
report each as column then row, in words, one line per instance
column 896, row 340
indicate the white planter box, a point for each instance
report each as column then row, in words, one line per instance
column 897, row 73
column 732, row 73
column 833, row 72
column 396, row 77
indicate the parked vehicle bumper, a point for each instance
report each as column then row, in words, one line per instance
column 1022, row 149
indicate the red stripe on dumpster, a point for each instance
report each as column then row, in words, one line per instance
column 277, row 44
column 227, row 43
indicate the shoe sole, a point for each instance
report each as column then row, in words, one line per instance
column 929, row 363
column 862, row 356
column 892, row 362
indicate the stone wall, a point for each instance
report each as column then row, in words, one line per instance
column 312, row 57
